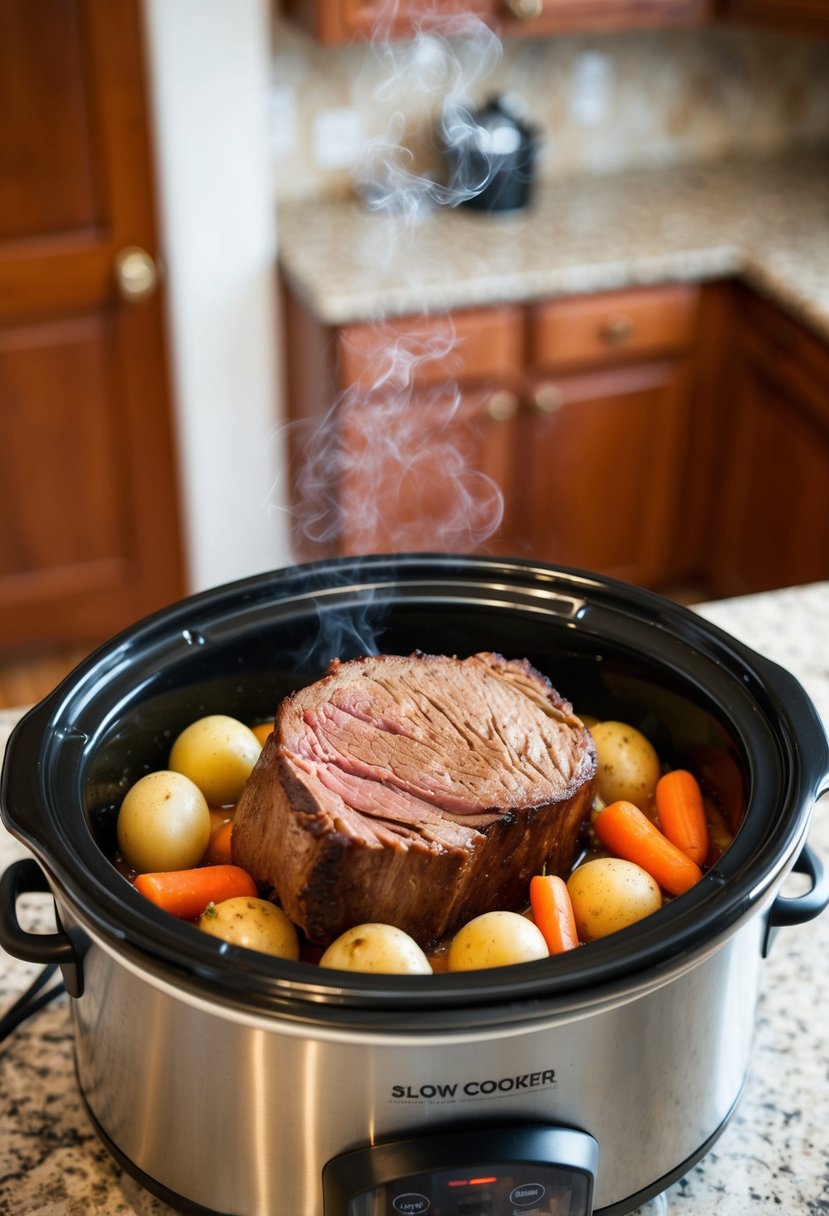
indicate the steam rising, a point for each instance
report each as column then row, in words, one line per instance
column 446, row 58
column 393, row 465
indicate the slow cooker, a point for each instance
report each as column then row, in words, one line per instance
column 227, row 1081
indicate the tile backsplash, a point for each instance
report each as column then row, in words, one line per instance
column 602, row 102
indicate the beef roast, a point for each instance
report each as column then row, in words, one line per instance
column 419, row 791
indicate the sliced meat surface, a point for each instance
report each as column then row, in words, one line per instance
column 418, row 790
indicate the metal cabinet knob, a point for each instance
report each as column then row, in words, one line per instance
column 547, row 398
column 617, row 329
column 502, row 405
column 135, row 273
column 526, row 10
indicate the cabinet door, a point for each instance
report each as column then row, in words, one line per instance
column 602, row 457
column 770, row 525
column 89, row 539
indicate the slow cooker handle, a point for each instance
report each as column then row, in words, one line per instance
column 23, row 878
column 798, row 909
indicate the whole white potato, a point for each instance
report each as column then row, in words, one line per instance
column 608, row 893
column 218, row 753
column 256, row 924
column 496, row 939
column 376, row 947
column 163, row 824
column 628, row 764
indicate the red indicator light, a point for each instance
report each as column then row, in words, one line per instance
column 473, row 1181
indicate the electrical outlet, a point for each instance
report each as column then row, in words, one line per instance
column 591, row 88
column 339, row 138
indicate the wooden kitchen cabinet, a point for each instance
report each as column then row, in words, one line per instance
column 576, row 410
column 605, row 431
column 338, row 21
column 804, row 16
column 89, row 539
column 769, row 523
column 403, row 433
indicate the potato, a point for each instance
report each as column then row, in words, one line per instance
column 496, row 939
column 255, row 924
column 218, row 753
column 163, row 824
column 628, row 764
column 608, row 894
column 376, row 947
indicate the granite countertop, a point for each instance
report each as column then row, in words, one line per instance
column 771, row 1159
column 761, row 220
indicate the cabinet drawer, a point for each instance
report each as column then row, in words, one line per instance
column 614, row 325
column 478, row 344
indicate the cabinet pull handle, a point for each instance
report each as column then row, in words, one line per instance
column 617, row 329
column 526, row 10
column 502, row 405
column 135, row 273
column 547, row 399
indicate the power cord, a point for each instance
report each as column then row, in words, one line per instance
column 36, row 997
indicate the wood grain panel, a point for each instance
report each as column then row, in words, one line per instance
column 61, row 487
column 50, row 180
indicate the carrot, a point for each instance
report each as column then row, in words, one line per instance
column 186, row 893
column 218, row 849
column 625, row 831
column 263, row 731
column 553, row 912
column 682, row 814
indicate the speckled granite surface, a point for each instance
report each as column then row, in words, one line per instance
column 764, row 220
column 772, row 1159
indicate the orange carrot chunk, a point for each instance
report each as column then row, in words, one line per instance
column 553, row 912
column 625, row 831
column 218, row 850
column 682, row 814
column 186, row 893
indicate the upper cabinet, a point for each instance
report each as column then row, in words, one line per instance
column 342, row 20
column 805, row 16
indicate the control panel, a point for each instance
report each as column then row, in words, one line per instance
column 491, row 1171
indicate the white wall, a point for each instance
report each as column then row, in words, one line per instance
column 209, row 73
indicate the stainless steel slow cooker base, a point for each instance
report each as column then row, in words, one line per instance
column 227, row 1080
column 651, row 1070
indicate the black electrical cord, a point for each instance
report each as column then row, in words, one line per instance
column 36, row 997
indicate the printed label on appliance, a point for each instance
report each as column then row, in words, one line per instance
column 442, row 1092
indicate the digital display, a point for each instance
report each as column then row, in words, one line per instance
column 534, row 1190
